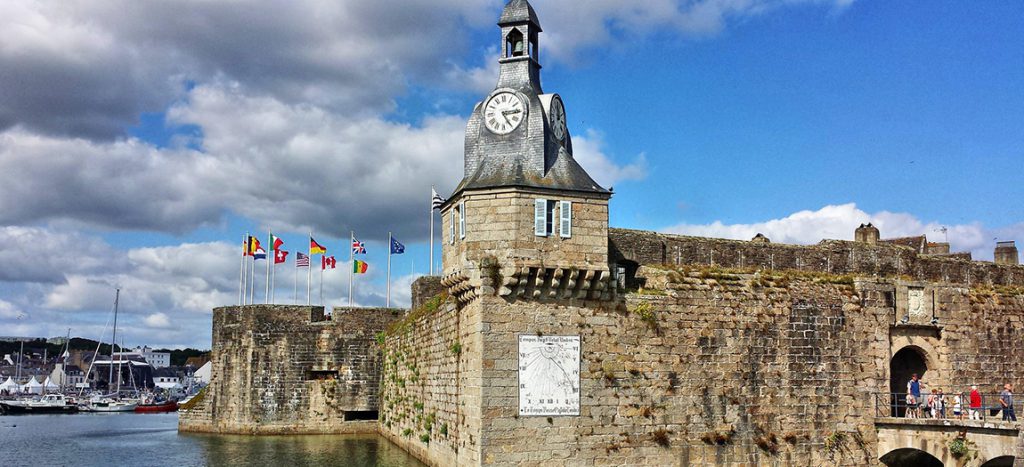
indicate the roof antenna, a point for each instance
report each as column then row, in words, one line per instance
column 945, row 232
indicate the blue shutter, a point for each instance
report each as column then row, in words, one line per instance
column 565, row 219
column 540, row 217
column 462, row 219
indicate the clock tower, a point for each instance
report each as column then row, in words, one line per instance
column 526, row 221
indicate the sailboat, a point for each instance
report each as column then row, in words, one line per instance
column 111, row 402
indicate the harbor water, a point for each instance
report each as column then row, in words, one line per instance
column 105, row 440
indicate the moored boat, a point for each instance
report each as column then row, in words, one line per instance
column 109, row 405
column 48, row 404
column 157, row 407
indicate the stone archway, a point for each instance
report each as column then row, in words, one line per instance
column 904, row 363
column 910, row 457
column 1001, row 461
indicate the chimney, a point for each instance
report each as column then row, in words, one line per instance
column 1006, row 253
column 866, row 233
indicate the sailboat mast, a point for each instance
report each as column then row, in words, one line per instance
column 113, row 339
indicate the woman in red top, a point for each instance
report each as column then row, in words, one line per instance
column 975, row 403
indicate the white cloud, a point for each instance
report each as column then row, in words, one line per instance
column 9, row 311
column 840, row 221
column 157, row 320
column 88, row 68
column 603, row 23
column 588, row 150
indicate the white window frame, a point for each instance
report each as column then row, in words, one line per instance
column 565, row 219
column 462, row 220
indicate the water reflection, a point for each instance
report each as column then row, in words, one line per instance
column 105, row 440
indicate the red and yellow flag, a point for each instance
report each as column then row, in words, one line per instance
column 315, row 248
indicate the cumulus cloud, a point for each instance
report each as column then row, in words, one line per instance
column 90, row 68
column 588, row 150
column 124, row 184
column 839, row 221
column 30, row 254
column 9, row 311
column 157, row 320
column 603, row 22
column 287, row 166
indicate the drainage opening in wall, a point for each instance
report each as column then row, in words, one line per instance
column 314, row 375
column 360, row 415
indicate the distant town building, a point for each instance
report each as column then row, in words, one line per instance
column 155, row 359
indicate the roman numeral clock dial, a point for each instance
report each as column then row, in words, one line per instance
column 503, row 113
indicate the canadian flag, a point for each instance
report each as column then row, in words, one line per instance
column 327, row 262
column 280, row 256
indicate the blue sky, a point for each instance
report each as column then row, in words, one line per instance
column 148, row 147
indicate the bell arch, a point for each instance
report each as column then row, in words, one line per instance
column 515, row 46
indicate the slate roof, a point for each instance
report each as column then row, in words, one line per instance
column 519, row 11
column 565, row 174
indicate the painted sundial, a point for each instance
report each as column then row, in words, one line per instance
column 549, row 375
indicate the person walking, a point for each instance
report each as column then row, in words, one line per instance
column 958, row 405
column 914, row 389
column 975, row 412
column 940, row 404
column 1006, row 400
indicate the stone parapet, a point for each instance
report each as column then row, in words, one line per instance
column 288, row 370
column 883, row 259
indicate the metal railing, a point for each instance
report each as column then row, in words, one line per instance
column 990, row 409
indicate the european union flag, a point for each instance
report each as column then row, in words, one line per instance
column 396, row 248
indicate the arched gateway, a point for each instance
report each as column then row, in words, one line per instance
column 906, row 362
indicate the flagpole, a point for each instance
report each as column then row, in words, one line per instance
column 351, row 260
column 252, row 278
column 266, row 298
column 295, row 292
column 431, row 230
column 309, row 272
column 241, row 272
column 323, row 264
column 273, row 277
column 387, row 301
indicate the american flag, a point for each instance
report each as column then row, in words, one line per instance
column 301, row 260
column 358, row 248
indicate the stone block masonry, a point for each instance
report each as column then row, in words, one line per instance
column 705, row 366
column 289, row 370
column 638, row 247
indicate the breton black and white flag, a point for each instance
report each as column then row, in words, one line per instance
column 437, row 200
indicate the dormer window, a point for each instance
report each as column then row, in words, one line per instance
column 514, row 44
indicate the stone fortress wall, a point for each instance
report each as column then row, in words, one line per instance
column 280, row 369
column 723, row 362
column 700, row 362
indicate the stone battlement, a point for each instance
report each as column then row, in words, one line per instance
column 281, row 369
column 633, row 248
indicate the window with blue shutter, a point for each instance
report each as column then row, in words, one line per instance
column 540, row 219
column 565, row 219
column 462, row 219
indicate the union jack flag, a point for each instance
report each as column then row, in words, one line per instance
column 358, row 248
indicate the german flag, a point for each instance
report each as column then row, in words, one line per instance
column 315, row 248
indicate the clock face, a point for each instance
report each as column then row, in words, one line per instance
column 557, row 118
column 503, row 113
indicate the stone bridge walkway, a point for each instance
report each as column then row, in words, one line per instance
column 925, row 443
